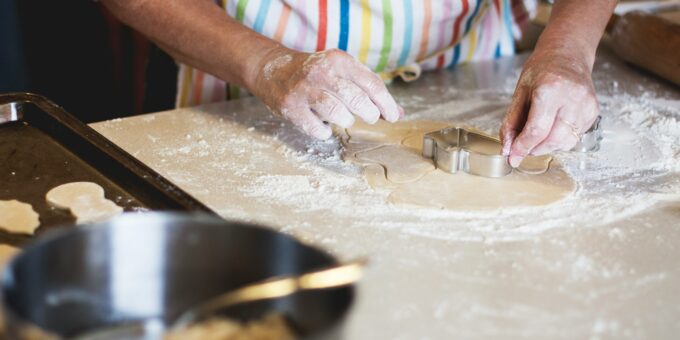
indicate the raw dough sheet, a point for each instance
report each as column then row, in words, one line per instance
column 391, row 154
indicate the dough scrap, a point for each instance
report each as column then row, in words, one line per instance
column 85, row 200
column 401, row 164
column 391, row 159
column 18, row 217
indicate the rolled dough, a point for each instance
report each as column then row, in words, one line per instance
column 392, row 159
column 462, row 191
column 85, row 200
column 401, row 164
column 384, row 132
column 18, row 217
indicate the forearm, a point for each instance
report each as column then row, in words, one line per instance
column 198, row 33
column 576, row 27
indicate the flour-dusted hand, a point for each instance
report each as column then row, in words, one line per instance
column 316, row 90
column 553, row 105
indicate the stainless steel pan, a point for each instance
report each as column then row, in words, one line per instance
column 148, row 268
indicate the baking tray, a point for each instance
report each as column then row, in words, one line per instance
column 43, row 146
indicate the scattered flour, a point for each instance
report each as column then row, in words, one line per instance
column 634, row 170
column 583, row 267
column 276, row 64
column 260, row 157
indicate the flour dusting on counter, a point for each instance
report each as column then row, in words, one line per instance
column 279, row 171
column 599, row 264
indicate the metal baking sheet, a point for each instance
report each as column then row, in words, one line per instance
column 43, row 146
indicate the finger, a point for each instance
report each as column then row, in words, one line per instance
column 308, row 122
column 587, row 117
column 371, row 84
column 568, row 127
column 562, row 137
column 331, row 109
column 539, row 123
column 514, row 119
column 357, row 101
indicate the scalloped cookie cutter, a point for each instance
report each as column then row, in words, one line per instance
column 457, row 149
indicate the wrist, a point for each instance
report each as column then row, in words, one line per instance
column 576, row 53
column 253, row 75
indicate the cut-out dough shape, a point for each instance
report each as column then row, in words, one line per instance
column 96, row 211
column 389, row 159
column 67, row 195
column 85, row 200
column 414, row 142
column 18, row 217
column 352, row 150
column 535, row 165
column 401, row 164
column 375, row 176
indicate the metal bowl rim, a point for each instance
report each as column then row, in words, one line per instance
column 55, row 234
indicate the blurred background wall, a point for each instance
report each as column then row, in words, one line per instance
column 78, row 55
column 12, row 69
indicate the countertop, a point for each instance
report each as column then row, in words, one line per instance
column 603, row 264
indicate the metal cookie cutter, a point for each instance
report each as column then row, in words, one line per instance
column 590, row 140
column 459, row 149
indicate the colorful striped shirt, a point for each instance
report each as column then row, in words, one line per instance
column 395, row 38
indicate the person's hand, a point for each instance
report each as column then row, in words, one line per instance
column 553, row 105
column 316, row 90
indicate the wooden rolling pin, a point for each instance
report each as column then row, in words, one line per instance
column 648, row 41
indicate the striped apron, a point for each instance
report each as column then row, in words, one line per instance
column 395, row 38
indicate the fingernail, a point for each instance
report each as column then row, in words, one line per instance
column 392, row 118
column 515, row 161
column 374, row 120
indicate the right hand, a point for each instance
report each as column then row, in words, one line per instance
column 313, row 90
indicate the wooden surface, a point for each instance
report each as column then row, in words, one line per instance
column 650, row 42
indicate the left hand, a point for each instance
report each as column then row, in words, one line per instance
column 553, row 105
